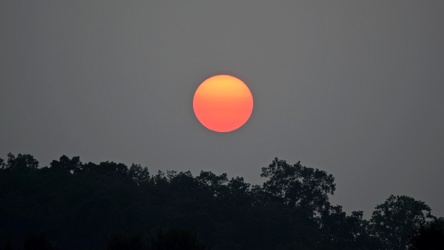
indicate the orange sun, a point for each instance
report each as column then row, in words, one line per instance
column 223, row 103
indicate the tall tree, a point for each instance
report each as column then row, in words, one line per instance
column 299, row 186
column 396, row 220
column 347, row 232
column 139, row 174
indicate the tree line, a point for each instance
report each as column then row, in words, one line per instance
column 110, row 206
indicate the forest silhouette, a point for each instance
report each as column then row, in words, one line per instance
column 110, row 206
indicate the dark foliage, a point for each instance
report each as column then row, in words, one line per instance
column 111, row 206
column 430, row 236
column 395, row 221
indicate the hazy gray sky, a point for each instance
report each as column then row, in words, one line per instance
column 355, row 88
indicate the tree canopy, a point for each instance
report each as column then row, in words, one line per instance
column 75, row 205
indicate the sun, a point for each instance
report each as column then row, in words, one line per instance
column 223, row 103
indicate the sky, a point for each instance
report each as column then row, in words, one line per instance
column 355, row 88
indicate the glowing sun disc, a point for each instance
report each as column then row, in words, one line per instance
column 223, row 103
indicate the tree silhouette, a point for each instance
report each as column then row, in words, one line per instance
column 25, row 161
column 396, row 220
column 299, row 186
column 139, row 174
column 80, row 205
column 64, row 163
column 430, row 236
